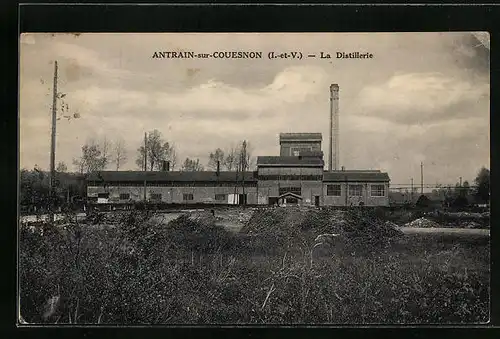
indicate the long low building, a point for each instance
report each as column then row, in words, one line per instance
column 305, row 185
column 298, row 179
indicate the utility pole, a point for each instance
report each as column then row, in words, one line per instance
column 411, row 191
column 422, row 177
column 53, row 147
column 217, row 174
column 145, row 163
column 244, row 166
column 460, row 181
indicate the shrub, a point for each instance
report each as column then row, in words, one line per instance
column 190, row 271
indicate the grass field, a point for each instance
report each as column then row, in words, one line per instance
column 185, row 273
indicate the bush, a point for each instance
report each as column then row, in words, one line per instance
column 191, row 271
column 423, row 201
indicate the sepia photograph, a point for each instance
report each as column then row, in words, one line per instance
column 254, row 179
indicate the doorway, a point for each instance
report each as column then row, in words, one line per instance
column 316, row 200
column 242, row 199
column 273, row 200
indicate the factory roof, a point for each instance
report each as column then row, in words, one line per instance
column 203, row 176
column 357, row 175
column 300, row 137
column 289, row 161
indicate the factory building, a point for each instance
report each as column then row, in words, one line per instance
column 291, row 144
column 166, row 187
column 295, row 177
column 298, row 179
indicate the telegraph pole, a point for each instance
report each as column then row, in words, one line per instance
column 145, row 163
column 53, row 147
column 411, row 191
column 244, row 166
column 422, row 177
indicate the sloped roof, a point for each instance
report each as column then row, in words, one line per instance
column 290, row 194
column 358, row 175
column 289, row 161
column 204, row 176
column 300, row 136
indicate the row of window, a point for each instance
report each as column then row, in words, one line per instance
column 158, row 196
column 334, row 190
column 170, row 184
column 355, row 190
column 292, row 177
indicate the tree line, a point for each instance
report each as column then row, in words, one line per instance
column 99, row 155
column 460, row 195
column 103, row 154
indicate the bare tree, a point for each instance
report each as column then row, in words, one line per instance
column 61, row 167
column 120, row 153
column 158, row 150
column 244, row 159
column 95, row 157
column 105, row 147
column 217, row 156
column 231, row 159
column 172, row 156
column 192, row 165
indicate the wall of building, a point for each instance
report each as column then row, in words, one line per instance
column 286, row 147
column 255, row 194
column 174, row 195
column 290, row 171
column 309, row 189
column 365, row 198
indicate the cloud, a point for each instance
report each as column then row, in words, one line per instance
column 290, row 87
column 82, row 62
column 419, row 97
column 424, row 96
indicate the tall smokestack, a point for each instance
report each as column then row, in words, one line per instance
column 333, row 163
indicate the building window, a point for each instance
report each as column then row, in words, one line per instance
column 333, row 190
column 297, row 150
column 103, row 195
column 355, row 190
column 187, row 196
column 220, row 197
column 155, row 196
column 291, row 177
column 124, row 196
column 378, row 191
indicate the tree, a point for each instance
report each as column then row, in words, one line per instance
column 423, row 201
column 230, row 161
column 172, row 156
column 105, row 147
column 158, row 150
column 217, row 156
column 192, row 165
column 95, row 157
column 34, row 188
column 482, row 182
column 61, row 167
column 465, row 188
column 244, row 159
column 120, row 153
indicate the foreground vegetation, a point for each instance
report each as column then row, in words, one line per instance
column 193, row 272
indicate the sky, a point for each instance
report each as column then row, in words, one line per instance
column 423, row 97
